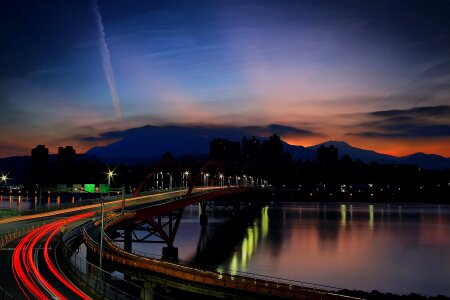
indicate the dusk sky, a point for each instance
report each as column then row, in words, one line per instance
column 373, row 73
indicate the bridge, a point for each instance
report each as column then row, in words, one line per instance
column 47, row 267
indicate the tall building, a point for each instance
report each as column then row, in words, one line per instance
column 272, row 150
column 224, row 151
column 251, row 151
column 66, row 156
column 39, row 163
column 327, row 154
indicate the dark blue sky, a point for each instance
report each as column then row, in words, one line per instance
column 71, row 70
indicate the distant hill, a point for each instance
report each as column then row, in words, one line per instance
column 425, row 161
column 364, row 155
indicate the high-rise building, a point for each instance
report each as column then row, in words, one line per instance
column 39, row 163
column 66, row 156
column 224, row 151
column 251, row 151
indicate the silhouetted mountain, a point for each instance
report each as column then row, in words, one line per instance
column 426, row 161
column 300, row 152
column 152, row 141
column 365, row 155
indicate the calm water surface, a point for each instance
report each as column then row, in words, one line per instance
column 392, row 248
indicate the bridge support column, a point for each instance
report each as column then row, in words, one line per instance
column 147, row 293
column 128, row 237
column 203, row 215
column 170, row 253
column 203, row 219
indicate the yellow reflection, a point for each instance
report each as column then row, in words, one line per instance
column 58, row 200
column 265, row 222
column 244, row 255
column 256, row 231
column 251, row 241
column 371, row 216
column 233, row 265
column 343, row 215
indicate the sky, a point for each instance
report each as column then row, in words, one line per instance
column 375, row 74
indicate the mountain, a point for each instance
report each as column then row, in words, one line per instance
column 425, row 161
column 365, row 155
column 152, row 141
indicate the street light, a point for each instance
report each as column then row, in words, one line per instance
column 186, row 174
column 110, row 175
column 4, row 178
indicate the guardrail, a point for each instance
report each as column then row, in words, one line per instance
column 91, row 276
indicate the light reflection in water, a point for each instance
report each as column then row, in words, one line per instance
column 371, row 216
column 250, row 242
column 343, row 215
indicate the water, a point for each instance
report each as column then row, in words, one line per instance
column 25, row 202
column 391, row 248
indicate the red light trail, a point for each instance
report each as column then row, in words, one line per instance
column 24, row 267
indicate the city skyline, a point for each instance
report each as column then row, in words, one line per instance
column 373, row 74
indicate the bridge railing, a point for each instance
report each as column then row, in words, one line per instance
column 183, row 271
column 228, row 272
column 105, row 284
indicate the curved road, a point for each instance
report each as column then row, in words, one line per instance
column 27, row 265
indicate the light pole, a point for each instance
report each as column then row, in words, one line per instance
column 110, row 176
column 186, row 174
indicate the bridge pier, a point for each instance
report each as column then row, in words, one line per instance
column 148, row 292
column 203, row 219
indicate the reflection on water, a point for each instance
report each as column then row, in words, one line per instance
column 27, row 202
column 388, row 247
column 249, row 243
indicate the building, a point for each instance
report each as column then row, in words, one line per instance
column 224, row 151
column 39, row 163
column 66, row 156
column 251, row 151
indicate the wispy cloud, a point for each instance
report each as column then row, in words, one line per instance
column 417, row 122
column 106, row 60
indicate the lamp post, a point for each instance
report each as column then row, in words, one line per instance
column 186, row 174
column 110, row 176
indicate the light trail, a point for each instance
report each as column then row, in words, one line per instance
column 24, row 266
column 129, row 202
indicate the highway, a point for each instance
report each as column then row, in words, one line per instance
column 28, row 268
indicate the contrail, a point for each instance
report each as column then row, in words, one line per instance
column 106, row 60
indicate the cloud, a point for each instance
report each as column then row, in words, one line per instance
column 106, row 60
column 282, row 129
column 417, row 122
column 428, row 111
